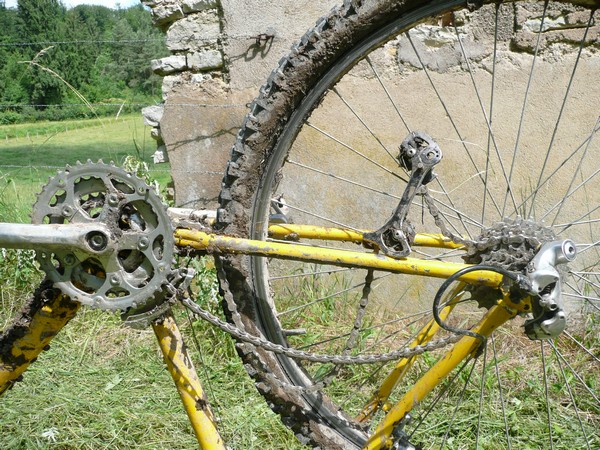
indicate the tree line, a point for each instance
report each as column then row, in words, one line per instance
column 64, row 57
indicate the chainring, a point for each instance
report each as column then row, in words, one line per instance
column 131, row 273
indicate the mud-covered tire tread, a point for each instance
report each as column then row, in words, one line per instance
column 287, row 85
column 309, row 59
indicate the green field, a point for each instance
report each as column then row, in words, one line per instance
column 102, row 385
column 31, row 153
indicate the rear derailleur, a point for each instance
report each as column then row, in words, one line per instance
column 419, row 153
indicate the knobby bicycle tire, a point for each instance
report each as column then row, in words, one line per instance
column 272, row 139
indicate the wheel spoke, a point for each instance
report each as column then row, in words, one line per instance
column 318, row 216
column 546, row 395
column 487, row 120
column 345, row 180
column 481, row 395
column 500, row 392
column 353, row 150
column 564, row 102
column 364, row 124
column 387, row 93
column 583, row 145
column 311, row 274
column 449, row 116
column 327, row 143
column 581, row 346
column 568, row 385
column 439, row 396
column 458, row 403
column 525, row 102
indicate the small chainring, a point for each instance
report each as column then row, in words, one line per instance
column 129, row 275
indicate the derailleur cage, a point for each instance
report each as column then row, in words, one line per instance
column 419, row 153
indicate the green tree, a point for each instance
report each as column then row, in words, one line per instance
column 41, row 21
column 8, row 55
column 103, row 53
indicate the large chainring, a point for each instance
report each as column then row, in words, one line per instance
column 135, row 262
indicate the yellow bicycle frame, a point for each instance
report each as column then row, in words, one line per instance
column 200, row 240
column 282, row 244
column 497, row 315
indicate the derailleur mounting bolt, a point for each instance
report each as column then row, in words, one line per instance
column 70, row 260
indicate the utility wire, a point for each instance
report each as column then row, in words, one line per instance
column 88, row 41
column 118, row 105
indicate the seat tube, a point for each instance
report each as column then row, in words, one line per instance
column 188, row 384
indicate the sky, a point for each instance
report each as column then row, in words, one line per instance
column 72, row 3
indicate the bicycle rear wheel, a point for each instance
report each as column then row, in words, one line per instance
column 507, row 90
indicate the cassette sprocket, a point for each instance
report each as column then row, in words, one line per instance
column 125, row 268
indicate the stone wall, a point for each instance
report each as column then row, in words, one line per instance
column 222, row 51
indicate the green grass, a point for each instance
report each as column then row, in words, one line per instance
column 27, row 162
column 102, row 385
column 44, row 129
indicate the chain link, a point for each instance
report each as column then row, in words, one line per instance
column 314, row 357
column 435, row 213
column 503, row 234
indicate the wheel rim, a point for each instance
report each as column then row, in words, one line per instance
column 461, row 183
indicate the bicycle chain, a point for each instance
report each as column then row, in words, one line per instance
column 510, row 244
column 495, row 246
column 435, row 213
column 314, row 357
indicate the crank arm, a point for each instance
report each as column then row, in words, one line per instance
column 419, row 153
column 90, row 238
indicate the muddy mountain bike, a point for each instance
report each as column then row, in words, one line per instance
column 407, row 242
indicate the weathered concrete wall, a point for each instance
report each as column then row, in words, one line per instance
column 223, row 50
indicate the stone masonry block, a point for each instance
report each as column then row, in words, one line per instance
column 190, row 6
column 170, row 64
column 152, row 115
column 205, row 60
column 194, row 31
column 165, row 11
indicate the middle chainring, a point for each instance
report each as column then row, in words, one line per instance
column 131, row 272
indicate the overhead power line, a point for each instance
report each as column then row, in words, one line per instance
column 42, row 43
column 118, row 105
